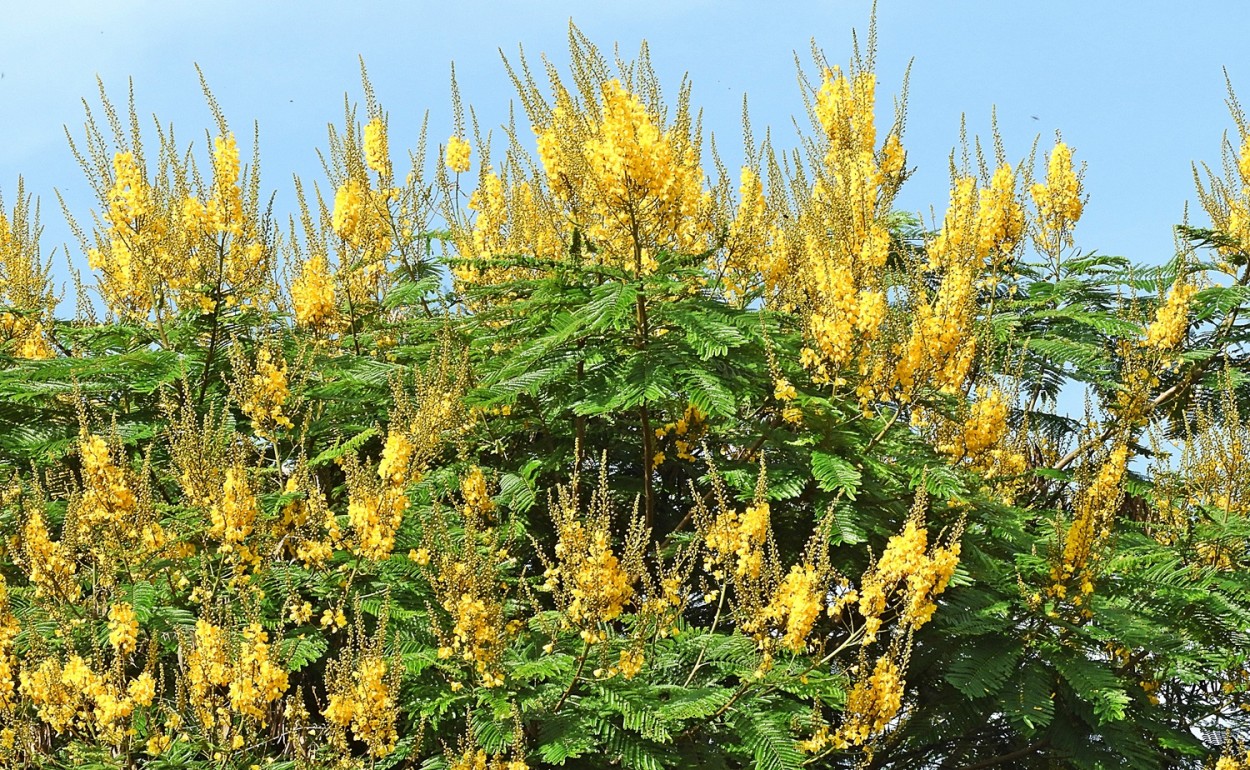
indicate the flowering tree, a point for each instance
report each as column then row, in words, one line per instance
column 626, row 463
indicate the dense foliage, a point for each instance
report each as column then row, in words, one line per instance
column 591, row 457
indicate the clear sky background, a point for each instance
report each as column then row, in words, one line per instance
column 1136, row 88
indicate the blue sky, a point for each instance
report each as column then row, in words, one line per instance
column 1136, row 88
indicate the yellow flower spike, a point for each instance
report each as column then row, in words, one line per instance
column 377, row 154
column 1095, row 510
column 123, row 628
column 312, row 294
column 459, row 153
column 1172, row 317
column 1058, row 201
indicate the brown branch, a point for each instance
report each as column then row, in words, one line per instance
column 1008, row 757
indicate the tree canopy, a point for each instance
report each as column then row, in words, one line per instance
column 584, row 453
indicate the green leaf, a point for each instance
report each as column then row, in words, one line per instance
column 834, row 474
column 339, row 449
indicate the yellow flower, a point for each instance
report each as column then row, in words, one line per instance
column 377, row 155
column 234, row 515
column 1171, row 319
column 796, row 605
column 459, row 153
column 1059, row 203
column 312, row 293
column 872, row 703
column 123, row 628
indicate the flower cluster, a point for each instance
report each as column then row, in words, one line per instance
column 634, row 187
column 1091, row 526
column 1171, row 320
column 377, row 151
column 467, row 577
column 752, row 249
column 907, row 571
column 262, row 389
column 872, row 703
column 977, row 235
column 131, row 253
column 74, row 698
column 592, row 584
column 686, row 432
column 107, row 498
column 796, row 605
column 49, row 564
column 1059, row 201
column 26, row 297
column 375, row 510
column 256, row 680
column 312, row 293
column 10, row 627
column 363, row 695
column 223, row 212
column 123, row 628
column 985, row 427
column 244, row 667
column 840, row 234
column 737, row 540
column 459, row 153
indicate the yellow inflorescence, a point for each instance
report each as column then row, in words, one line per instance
column 737, row 540
column 478, row 759
column 752, row 247
column 983, row 430
column 468, row 580
column 130, row 254
column 10, row 627
column 312, row 293
column 978, row 234
column 264, row 390
column 459, row 154
column 477, row 500
column 1091, row 526
column 396, row 458
column 1172, row 318
column 1233, row 758
column 26, row 298
column 74, row 698
column 377, row 152
column 123, row 628
column 375, row 516
column 599, row 585
column 593, row 585
column 478, row 633
column 686, row 431
column 1059, row 203
column 252, row 679
column 368, row 705
column 49, row 564
column 223, row 212
column 843, row 240
column 904, row 570
column 350, row 209
column 631, row 186
column 796, row 605
column 233, row 515
column 872, row 704
column 107, row 498
column 1000, row 217
column 256, row 680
